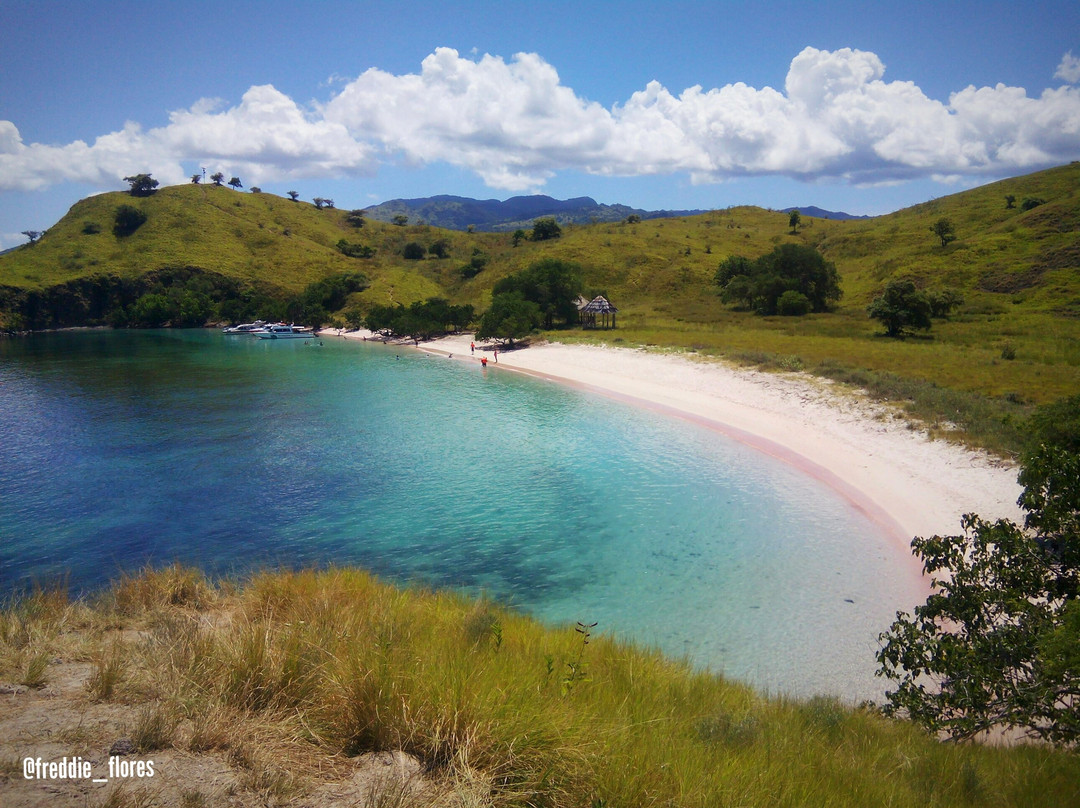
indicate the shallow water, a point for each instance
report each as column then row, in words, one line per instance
column 121, row 448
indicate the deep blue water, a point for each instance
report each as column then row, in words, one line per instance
column 231, row 453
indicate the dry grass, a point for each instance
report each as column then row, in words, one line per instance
column 306, row 687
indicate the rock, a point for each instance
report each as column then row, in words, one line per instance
column 124, row 746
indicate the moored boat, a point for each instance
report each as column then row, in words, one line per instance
column 245, row 328
column 282, row 331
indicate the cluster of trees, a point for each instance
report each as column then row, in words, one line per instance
column 997, row 643
column 420, row 321
column 903, row 308
column 539, row 295
column 415, row 251
column 355, row 250
column 314, row 305
column 791, row 280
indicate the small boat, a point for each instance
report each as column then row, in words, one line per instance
column 282, row 331
column 245, row 328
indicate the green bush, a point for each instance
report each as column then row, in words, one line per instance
column 793, row 304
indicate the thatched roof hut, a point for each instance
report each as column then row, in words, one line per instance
column 599, row 305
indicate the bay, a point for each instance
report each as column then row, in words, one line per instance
column 122, row 448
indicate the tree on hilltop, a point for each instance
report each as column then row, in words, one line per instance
column 218, row 178
column 141, row 184
column 293, row 195
column 33, row 235
column 235, row 183
column 794, row 220
column 196, row 179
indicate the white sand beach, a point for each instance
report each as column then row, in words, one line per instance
column 909, row 484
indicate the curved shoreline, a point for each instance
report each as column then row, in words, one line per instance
column 907, row 483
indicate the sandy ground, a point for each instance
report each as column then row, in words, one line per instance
column 908, row 483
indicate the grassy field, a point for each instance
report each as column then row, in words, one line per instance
column 282, row 685
column 1015, row 342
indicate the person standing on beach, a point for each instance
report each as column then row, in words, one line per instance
column 496, row 356
column 472, row 347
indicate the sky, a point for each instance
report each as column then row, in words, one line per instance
column 853, row 106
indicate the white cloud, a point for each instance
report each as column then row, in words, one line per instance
column 516, row 125
column 1069, row 68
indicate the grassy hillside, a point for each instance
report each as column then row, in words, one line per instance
column 303, row 688
column 1014, row 343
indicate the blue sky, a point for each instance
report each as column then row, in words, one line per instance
column 850, row 106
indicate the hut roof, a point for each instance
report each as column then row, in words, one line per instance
column 580, row 302
column 600, row 305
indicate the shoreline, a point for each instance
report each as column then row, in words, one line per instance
column 868, row 454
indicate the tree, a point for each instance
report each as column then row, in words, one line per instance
column 943, row 301
column 141, row 184
column 400, row 220
column 510, row 317
column 196, row 179
column 792, row 304
column 235, row 183
column 355, row 217
column 943, row 229
column 901, row 308
column 760, row 283
column 440, row 249
column 549, row 283
column 413, row 251
column 293, row 195
column 319, row 202
column 218, row 178
column 127, row 220
column 544, row 229
column 1010, row 201
column 794, row 220
column 33, row 235
column 519, row 234
column 997, row 643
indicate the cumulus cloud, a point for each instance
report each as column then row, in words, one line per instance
column 1069, row 69
column 515, row 124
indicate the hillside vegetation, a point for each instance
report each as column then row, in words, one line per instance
column 302, row 689
column 1014, row 342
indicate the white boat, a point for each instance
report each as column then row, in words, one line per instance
column 245, row 328
column 282, row 331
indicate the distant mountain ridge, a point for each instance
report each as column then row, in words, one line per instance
column 493, row 215
column 821, row 213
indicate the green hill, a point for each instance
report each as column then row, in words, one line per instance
column 1014, row 342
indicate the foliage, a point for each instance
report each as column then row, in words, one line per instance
column 355, row 250
column 355, row 217
column 218, row 178
column 127, row 220
column 794, row 220
column 1031, row 202
column 32, row 235
column 944, row 230
column 901, row 308
column 400, row 220
column 1010, row 201
column 516, row 239
column 549, row 283
column 510, row 317
column 944, row 301
column 141, row 184
column 759, row 284
column 440, row 249
column 235, row 183
column 793, row 304
column 995, row 644
column 421, row 320
column 314, row 305
column 413, row 251
column 545, row 229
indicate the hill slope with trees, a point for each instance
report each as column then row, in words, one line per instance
column 1013, row 259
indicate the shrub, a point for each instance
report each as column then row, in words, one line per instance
column 128, row 219
column 793, row 304
column 413, row 251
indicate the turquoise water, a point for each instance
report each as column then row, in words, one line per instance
column 121, row 448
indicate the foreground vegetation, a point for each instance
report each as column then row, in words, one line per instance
column 282, row 680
